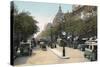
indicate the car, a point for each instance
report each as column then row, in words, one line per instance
column 43, row 45
column 25, row 48
column 81, row 47
column 82, row 44
column 91, row 50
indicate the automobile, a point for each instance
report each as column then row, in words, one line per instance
column 82, row 44
column 91, row 50
column 43, row 45
column 25, row 48
column 81, row 47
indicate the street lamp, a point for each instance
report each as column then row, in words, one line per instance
column 63, row 35
column 63, row 43
column 51, row 37
column 53, row 45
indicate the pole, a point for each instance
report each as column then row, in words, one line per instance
column 63, row 43
column 51, row 38
column 63, row 50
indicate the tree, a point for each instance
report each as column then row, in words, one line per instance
column 23, row 25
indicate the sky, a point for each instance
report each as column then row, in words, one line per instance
column 42, row 12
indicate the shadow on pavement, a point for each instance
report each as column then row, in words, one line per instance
column 22, row 59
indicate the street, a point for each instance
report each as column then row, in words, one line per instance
column 48, row 57
column 38, row 30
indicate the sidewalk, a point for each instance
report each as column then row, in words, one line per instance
column 73, row 55
column 58, row 53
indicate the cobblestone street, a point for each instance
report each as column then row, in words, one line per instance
column 48, row 57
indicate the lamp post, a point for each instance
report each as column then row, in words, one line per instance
column 53, row 45
column 63, row 34
column 63, row 43
column 51, row 37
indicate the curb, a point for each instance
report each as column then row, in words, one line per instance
column 59, row 54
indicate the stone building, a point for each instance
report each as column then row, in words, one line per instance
column 48, row 26
column 58, row 18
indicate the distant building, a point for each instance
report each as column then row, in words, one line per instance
column 58, row 17
column 48, row 26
